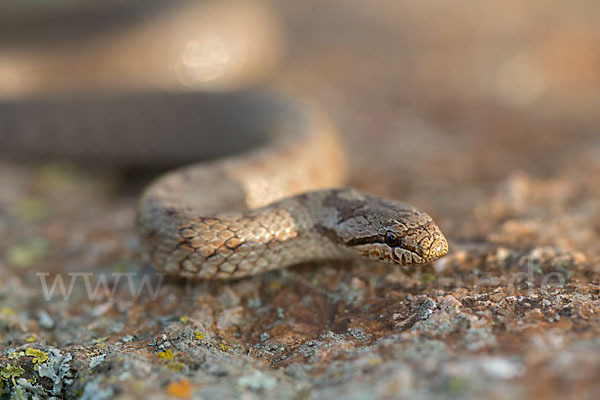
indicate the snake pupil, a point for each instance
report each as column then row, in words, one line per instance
column 391, row 239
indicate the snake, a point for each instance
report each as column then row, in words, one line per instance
column 262, row 182
column 278, row 200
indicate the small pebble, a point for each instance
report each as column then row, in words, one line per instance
column 45, row 320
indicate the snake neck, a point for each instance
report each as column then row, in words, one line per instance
column 234, row 245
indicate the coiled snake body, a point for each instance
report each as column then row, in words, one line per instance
column 236, row 216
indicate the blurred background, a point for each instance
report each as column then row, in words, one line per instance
column 454, row 93
column 484, row 114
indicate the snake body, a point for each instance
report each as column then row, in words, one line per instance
column 249, row 214
column 234, row 216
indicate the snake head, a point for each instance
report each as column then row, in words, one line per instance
column 386, row 230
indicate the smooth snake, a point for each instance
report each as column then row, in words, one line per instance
column 237, row 215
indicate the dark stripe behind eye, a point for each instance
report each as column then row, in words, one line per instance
column 365, row 240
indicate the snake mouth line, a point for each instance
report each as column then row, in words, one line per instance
column 380, row 239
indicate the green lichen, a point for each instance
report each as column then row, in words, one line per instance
column 14, row 355
column 11, row 372
column 175, row 366
column 28, row 252
column 60, row 174
column 224, row 347
column 32, row 209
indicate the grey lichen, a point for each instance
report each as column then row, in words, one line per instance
column 257, row 381
column 58, row 369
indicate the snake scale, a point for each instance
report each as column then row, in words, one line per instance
column 233, row 216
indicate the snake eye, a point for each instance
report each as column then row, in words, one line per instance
column 391, row 239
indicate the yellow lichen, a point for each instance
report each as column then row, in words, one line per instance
column 38, row 355
column 375, row 360
column 7, row 312
column 172, row 364
column 167, row 355
column 175, row 366
column 100, row 340
column 199, row 335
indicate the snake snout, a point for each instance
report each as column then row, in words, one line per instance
column 434, row 246
column 426, row 242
